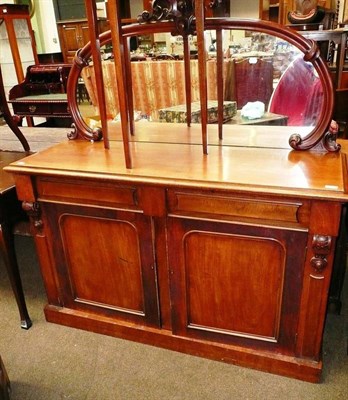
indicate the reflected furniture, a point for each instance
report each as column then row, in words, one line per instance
column 10, row 210
column 17, row 44
column 42, row 93
column 334, row 42
column 11, row 213
column 214, row 242
column 6, row 113
column 74, row 34
column 19, row 32
column 268, row 118
column 277, row 11
column 333, row 45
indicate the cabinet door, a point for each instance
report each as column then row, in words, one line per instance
column 104, row 261
column 236, row 283
column 72, row 37
column 70, row 40
column 84, row 34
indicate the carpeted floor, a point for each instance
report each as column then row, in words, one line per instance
column 38, row 138
column 52, row 362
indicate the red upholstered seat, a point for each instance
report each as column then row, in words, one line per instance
column 298, row 95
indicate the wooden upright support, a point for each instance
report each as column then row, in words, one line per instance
column 121, row 74
column 202, row 71
column 97, row 63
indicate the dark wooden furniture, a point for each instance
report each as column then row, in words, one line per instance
column 268, row 119
column 224, row 251
column 5, row 112
column 74, row 34
column 5, row 386
column 333, row 43
column 10, row 213
column 42, row 93
column 217, row 268
column 10, row 210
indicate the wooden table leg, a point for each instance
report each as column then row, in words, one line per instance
column 7, row 250
column 4, row 110
column 5, row 387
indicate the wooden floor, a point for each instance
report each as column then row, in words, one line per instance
column 37, row 137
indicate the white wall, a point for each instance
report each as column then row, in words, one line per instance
column 136, row 7
column 244, row 8
column 45, row 27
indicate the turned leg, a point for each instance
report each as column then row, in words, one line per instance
column 9, row 256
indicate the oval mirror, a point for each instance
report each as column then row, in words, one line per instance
column 266, row 82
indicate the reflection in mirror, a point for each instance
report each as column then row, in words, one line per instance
column 266, row 82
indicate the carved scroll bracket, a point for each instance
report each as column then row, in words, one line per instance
column 327, row 142
column 313, row 53
column 34, row 212
column 321, row 246
column 81, row 60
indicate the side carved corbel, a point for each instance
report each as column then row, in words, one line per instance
column 79, row 127
column 326, row 144
column 321, row 246
column 34, row 212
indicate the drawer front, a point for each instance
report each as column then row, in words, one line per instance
column 40, row 109
column 223, row 205
column 31, row 109
column 87, row 193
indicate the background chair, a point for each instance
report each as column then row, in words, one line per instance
column 253, row 81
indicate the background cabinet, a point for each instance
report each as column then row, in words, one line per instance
column 74, row 34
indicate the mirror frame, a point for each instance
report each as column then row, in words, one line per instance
column 322, row 137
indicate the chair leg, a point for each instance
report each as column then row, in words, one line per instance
column 9, row 256
column 5, row 385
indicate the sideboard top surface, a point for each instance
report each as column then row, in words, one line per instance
column 241, row 163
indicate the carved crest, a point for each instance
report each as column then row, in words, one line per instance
column 179, row 11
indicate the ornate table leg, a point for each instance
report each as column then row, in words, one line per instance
column 7, row 250
column 4, row 110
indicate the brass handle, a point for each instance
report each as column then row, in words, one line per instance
column 32, row 109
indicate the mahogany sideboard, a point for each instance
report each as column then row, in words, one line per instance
column 227, row 255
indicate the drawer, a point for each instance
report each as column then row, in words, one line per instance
column 87, row 193
column 31, row 109
column 40, row 109
column 235, row 206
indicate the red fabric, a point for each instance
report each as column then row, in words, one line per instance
column 254, row 81
column 299, row 94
